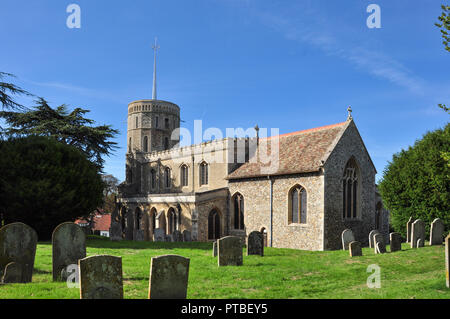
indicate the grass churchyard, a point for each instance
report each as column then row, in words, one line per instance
column 281, row 273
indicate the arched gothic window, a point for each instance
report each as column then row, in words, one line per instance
column 138, row 216
column 350, row 194
column 378, row 210
column 214, row 225
column 298, row 205
column 167, row 176
column 172, row 219
column 184, row 175
column 145, row 146
column 238, row 204
column 203, row 173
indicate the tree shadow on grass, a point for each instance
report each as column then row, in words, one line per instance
column 125, row 244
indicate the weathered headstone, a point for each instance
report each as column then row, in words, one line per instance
column 396, row 242
column 420, row 243
column 447, row 261
column 355, row 249
column 177, row 236
column 371, row 234
column 138, row 235
column 159, row 235
column 68, row 246
column 408, row 229
column 187, row 236
column 417, row 232
column 437, row 232
column 347, row 238
column 215, row 249
column 229, row 251
column 12, row 273
column 18, row 244
column 255, row 243
column 168, row 277
column 380, row 247
column 169, row 238
column 115, row 231
column 101, row 277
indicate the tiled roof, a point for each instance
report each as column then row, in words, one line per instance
column 299, row 152
column 102, row 222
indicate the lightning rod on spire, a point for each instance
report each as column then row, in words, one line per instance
column 155, row 48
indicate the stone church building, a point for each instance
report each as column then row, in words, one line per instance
column 323, row 182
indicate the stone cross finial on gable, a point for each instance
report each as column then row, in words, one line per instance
column 349, row 110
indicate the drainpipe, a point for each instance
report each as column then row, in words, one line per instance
column 271, row 210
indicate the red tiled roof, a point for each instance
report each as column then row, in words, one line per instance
column 299, row 152
column 102, row 222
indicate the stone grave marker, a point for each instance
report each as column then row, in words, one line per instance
column 115, row 231
column 229, row 251
column 18, row 244
column 101, row 277
column 215, row 249
column 177, row 236
column 347, row 238
column 437, row 232
column 187, row 236
column 371, row 234
column 68, row 246
column 159, row 235
column 447, row 260
column 417, row 233
column 396, row 242
column 12, row 273
column 408, row 229
column 255, row 243
column 168, row 277
column 380, row 247
column 355, row 249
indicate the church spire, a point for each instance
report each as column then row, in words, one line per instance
column 155, row 48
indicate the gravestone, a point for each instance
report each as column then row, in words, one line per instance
column 115, row 231
column 12, row 273
column 417, row 233
column 437, row 232
column 138, row 235
column 177, row 236
column 168, row 277
column 408, row 229
column 101, row 277
column 169, row 238
column 68, row 246
column 18, row 244
column 371, row 234
column 355, row 249
column 396, row 241
column 255, row 244
column 347, row 238
column 447, row 260
column 379, row 245
column 229, row 251
column 187, row 236
column 159, row 235
column 215, row 249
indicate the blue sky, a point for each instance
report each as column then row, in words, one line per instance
column 284, row 64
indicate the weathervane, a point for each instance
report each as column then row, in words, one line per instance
column 155, row 48
column 349, row 110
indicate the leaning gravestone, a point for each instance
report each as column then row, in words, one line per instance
column 159, row 235
column 447, row 260
column 187, row 235
column 380, row 247
column 215, row 249
column 229, row 251
column 408, row 229
column 355, row 249
column 437, row 232
column 177, row 236
column 18, row 244
column 417, row 234
column 115, row 231
column 371, row 234
column 12, row 273
column 168, row 277
column 396, row 241
column 255, row 243
column 101, row 277
column 347, row 238
column 68, row 246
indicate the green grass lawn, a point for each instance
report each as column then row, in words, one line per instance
column 281, row 273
